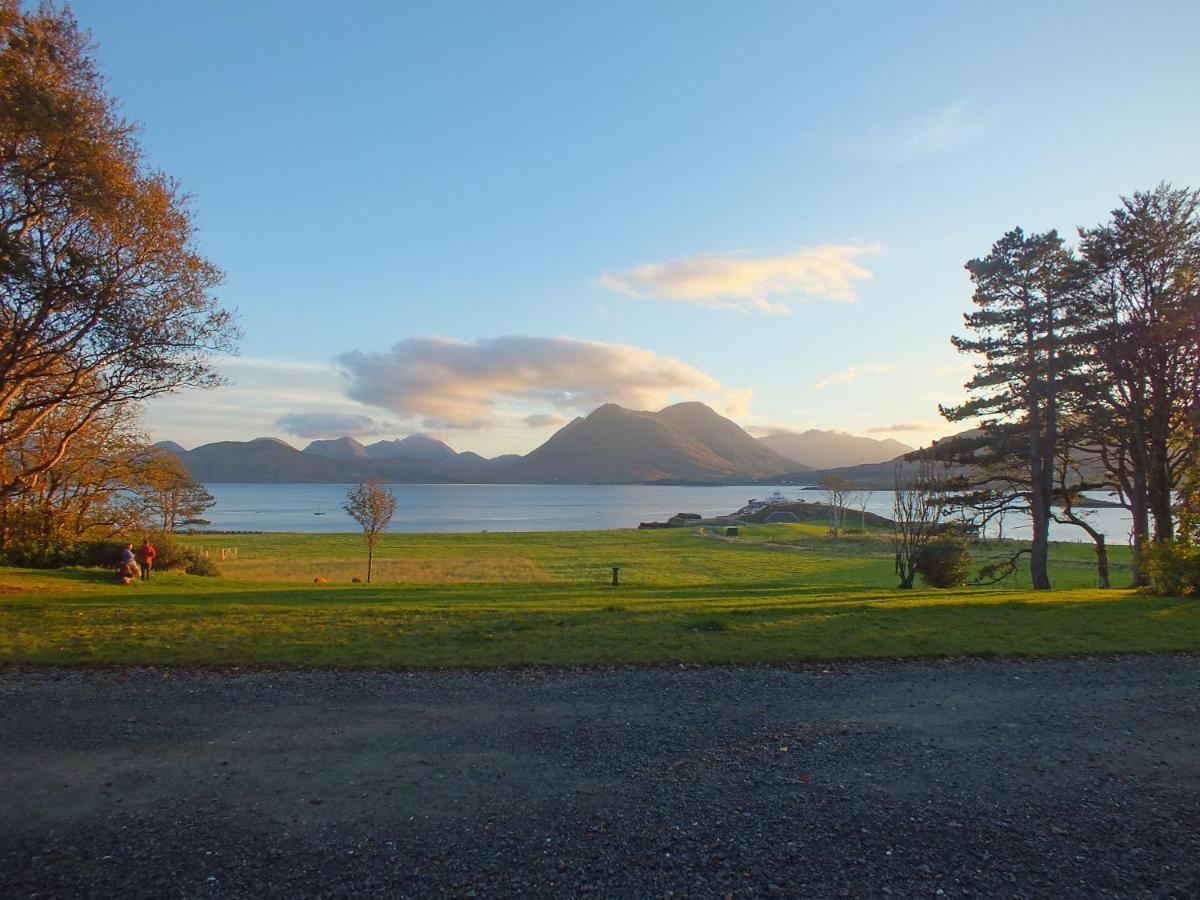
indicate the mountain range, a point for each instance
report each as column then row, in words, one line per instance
column 833, row 449
column 612, row 445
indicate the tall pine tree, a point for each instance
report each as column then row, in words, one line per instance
column 1027, row 293
column 1143, row 320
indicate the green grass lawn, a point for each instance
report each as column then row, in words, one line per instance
column 777, row 593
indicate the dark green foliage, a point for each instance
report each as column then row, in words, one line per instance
column 105, row 554
column 944, row 563
column 202, row 565
column 171, row 554
column 97, row 553
column 1172, row 569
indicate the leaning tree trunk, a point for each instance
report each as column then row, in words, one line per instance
column 1098, row 544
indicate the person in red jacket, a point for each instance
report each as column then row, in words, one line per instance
column 145, row 557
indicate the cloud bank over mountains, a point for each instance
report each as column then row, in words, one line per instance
column 459, row 384
column 747, row 283
column 332, row 425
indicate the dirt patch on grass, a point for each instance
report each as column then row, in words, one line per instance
column 404, row 571
column 17, row 589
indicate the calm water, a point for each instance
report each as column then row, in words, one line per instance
column 532, row 507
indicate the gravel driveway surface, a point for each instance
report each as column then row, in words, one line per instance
column 965, row 778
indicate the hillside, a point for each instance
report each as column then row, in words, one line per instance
column 268, row 460
column 621, row 446
column 832, row 449
column 685, row 443
column 415, row 446
column 339, row 448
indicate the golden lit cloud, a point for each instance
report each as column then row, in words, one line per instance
column 544, row 420
column 748, row 283
column 459, row 384
column 907, row 427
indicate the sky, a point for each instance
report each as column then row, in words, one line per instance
column 481, row 220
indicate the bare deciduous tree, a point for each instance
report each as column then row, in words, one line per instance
column 372, row 505
column 916, row 514
column 837, row 490
column 861, row 498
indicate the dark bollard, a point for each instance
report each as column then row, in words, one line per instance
column 616, row 569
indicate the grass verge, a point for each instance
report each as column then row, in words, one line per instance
column 776, row 594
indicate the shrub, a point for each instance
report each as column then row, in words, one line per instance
column 1173, row 569
column 171, row 554
column 98, row 553
column 202, row 565
column 944, row 563
column 33, row 555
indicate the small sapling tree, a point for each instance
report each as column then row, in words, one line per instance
column 372, row 505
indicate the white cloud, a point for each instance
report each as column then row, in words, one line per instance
column 942, row 131
column 330, row 424
column 853, row 374
column 260, row 391
column 456, row 384
column 907, row 427
column 748, row 283
column 948, row 128
column 733, row 403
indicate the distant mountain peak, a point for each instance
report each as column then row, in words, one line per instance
column 415, row 446
column 832, row 449
column 618, row 445
column 337, row 448
column 271, row 440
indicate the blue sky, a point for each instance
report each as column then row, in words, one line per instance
column 483, row 219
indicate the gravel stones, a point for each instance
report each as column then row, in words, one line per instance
column 965, row 778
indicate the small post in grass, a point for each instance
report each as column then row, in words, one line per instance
column 616, row 576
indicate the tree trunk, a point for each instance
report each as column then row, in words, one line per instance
column 1141, row 527
column 1101, row 562
column 1039, row 502
column 1160, row 505
column 370, row 560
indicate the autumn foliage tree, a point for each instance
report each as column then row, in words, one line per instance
column 85, row 495
column 104, row 300
column 372, row 505
column 168, row 494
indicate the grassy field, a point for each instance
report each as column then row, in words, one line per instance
column 776, row 594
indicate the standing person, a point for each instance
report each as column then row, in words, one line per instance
column 145, row 557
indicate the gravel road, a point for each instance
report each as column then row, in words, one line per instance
column 964, row 778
